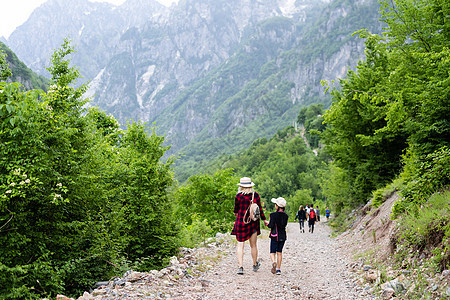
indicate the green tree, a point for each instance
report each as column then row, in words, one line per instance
column 5, row 72
column 396, row 102
column 209, row 197
column 80, row 200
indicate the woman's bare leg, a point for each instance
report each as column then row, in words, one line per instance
column 253, row 247
column 240, row 253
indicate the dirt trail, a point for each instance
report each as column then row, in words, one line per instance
column 314, row 267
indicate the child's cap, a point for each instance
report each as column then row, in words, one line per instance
column 280, row 201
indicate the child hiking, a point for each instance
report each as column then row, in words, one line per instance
column 301, row 216
column 277, row 223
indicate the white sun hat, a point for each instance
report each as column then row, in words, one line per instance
column 246, row 182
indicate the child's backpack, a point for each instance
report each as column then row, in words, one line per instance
column 312, row 214
column 253, row 212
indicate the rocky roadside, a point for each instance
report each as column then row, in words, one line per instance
column 369, row 243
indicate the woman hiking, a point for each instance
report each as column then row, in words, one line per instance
column 301, row 216
column 246, row 229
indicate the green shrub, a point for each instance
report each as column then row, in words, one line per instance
column 424, row 177
column 196, row 233
column 427, row 231
column 382, row 194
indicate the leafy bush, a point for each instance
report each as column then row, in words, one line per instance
column 423, row 178
column 207, row 197
column 382, row 194
column 194, row 234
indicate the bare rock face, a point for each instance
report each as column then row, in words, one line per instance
column 202, row 69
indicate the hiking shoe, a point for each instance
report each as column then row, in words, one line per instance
column 240, row 271
column 278, row 272
column 256, row 267
column 274, row 268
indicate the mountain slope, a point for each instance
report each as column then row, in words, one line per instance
column 211, row 75
column 21, row 73
column 95, row 27
column 270, row 95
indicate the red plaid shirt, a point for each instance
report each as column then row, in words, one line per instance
column 241, row 230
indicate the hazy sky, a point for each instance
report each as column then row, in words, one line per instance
column 15, row 12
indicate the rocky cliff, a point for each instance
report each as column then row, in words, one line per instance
column 211, row 75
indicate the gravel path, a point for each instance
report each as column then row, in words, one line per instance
column 313, row 267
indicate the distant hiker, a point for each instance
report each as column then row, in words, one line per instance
column 243, row 230
column 311, row 219
column 317, row 213
column 308, row 209
column 327, row 213
column 277, row 223
column 301, row 216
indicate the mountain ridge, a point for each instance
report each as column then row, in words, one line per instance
column 210, row 74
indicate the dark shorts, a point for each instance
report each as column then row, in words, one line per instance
column 276, row 246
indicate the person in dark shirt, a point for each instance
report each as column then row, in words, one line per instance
column 301, row 216
column 246, row 230
column 277, row 223
column 317, row 214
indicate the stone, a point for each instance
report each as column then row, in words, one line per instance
column 446, row 274
column 371, row 275
column 62, row 297
column 367, row 268
column 101, row 283
column 174, row 261
column 198, row 287
column 119, row 281
column 135, row 276
column 397, row 286
column 98, row 292
column 387, row 293
column 86, row 296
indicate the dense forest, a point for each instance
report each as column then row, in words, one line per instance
column 82, row 200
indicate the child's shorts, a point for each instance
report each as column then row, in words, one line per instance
column 276, row 246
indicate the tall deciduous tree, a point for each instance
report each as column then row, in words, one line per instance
column 397, row 101
column 80, row 199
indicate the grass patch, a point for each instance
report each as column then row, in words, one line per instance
column 425, row 233
column 381, row 195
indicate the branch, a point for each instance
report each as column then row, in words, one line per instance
column 372, row 94
column 12, row 216
column 425, row 43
